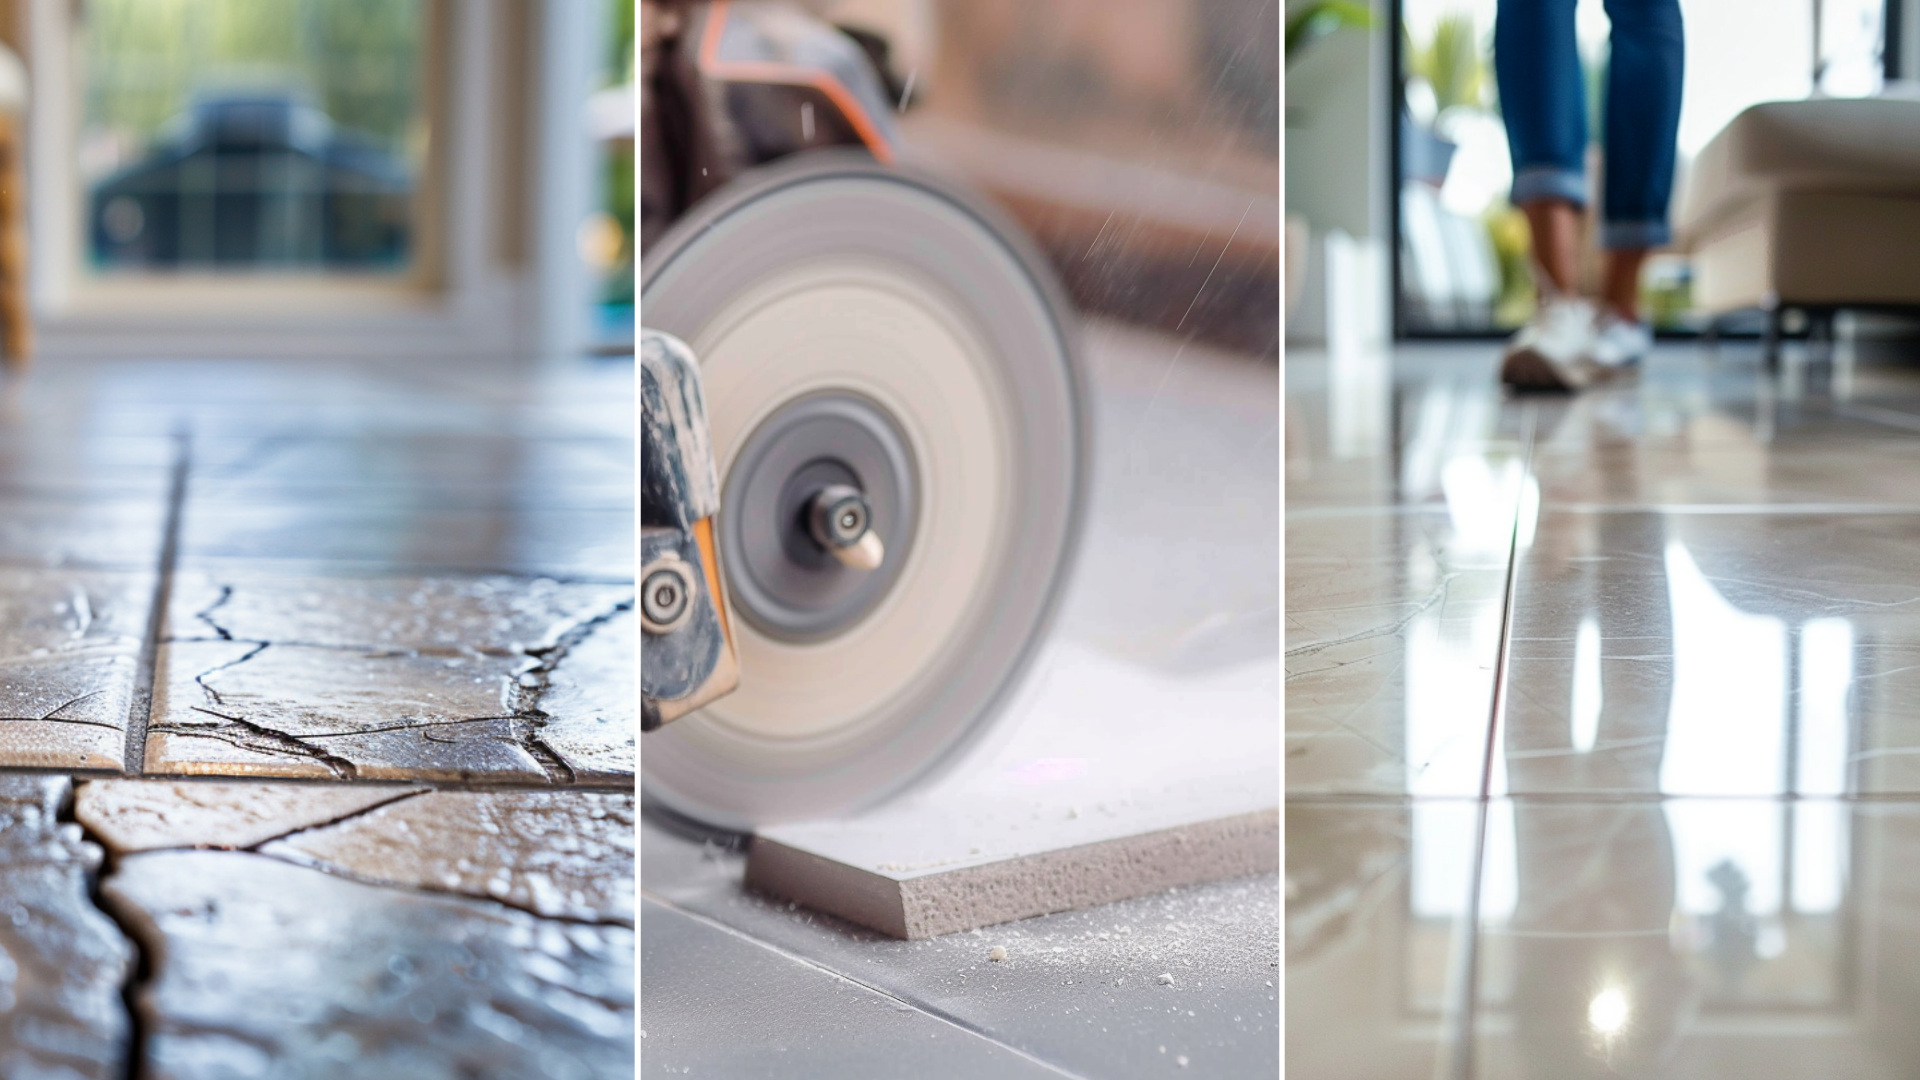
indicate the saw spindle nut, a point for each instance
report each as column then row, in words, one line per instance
column 842, row 523
column 666, row 595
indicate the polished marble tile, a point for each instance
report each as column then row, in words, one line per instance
column 1757, row 939
column 1377, row 924
column 1706, row 778
column 1715, row 655
column 1367, row 430
column 1393, row 631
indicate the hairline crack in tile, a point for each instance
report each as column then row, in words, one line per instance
column 275, row 740
column 532, row 681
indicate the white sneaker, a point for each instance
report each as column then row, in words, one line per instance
column 1555, row 350
column 1620, row 343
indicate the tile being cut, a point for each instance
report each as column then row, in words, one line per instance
column 955, row 861
column 69, row 654
column 444, row 679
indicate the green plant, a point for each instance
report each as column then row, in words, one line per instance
column 1309, row 22
column 1452, row 63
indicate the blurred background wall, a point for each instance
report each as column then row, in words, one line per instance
column 1136, row 140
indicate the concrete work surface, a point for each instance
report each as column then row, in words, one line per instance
column 316, row 722
column 1148, row 712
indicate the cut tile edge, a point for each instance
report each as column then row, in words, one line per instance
column 1021, row 887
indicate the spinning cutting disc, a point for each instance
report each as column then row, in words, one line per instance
column 867, row 327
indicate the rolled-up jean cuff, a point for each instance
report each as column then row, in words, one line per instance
column 1534, row 183
column 1617, row 235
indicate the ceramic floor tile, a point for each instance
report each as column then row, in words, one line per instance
column 482, row 679
column 558, row 854
column 1715, row 655
column 592, row 544
column 152, row 815
column 120, row 534
column 442, row 471
column 1708, row 939
column 1359, row 434
column 69, row 659
column 1393, row 628
column 82, row 463
column 1376, row 935
column 62, row 962
column 1079, row 990
column 361, row 979
column 701, row 979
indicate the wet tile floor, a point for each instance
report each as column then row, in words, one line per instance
column 316, row 739
column 1602, row 733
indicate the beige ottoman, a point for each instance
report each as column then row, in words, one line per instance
column 1807, row 205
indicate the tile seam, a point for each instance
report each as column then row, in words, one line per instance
column 1467, row 993
column 140, row 709
column 923, row 1008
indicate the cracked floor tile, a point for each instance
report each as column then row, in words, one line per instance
column 62, row 962
column 238, row 601
column 240, row 708
column 258, row 963
column 588, row 701
column 399, row 678
column 69, row 652
column 562, row 854
column 146, row 815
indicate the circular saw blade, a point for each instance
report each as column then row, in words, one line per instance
column 829, row 285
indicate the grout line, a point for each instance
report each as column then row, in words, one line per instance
column 140, row 710
column 919, row 1007
column 1876, row 414
column 1467, row 990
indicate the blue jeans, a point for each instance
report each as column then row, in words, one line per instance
column 1543, row 98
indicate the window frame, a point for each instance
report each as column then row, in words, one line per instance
column 474, row 263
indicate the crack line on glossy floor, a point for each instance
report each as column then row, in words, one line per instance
column 1467, row 993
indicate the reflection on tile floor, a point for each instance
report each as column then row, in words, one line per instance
column 416, row 580
column 1676, row 846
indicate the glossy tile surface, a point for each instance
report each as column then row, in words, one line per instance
column 1687, row 818
column 1699, row 938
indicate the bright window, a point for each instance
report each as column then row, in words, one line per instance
column 251, row 135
